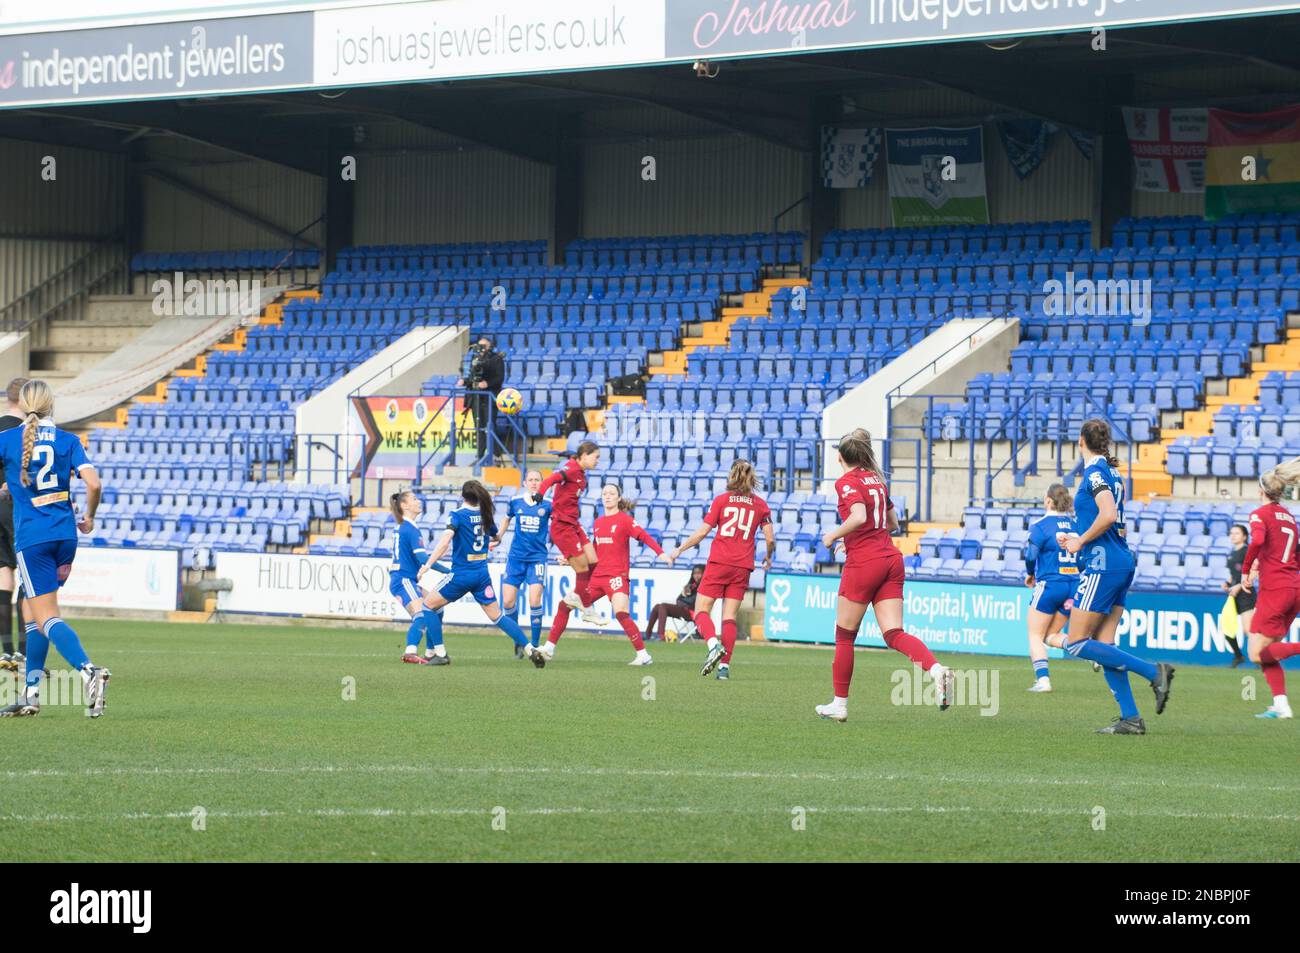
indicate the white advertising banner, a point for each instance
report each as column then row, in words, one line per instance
column 354, row 587
column 456, row 38
column 109, row 578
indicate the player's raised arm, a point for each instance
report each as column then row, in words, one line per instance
column 444, row 544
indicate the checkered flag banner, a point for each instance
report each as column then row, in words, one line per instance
column 849, row 156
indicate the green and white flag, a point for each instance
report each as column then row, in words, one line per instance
column 936, row 176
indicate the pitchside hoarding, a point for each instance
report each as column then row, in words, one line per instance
column 990, row 620
column 354, row 587
column 105, row 577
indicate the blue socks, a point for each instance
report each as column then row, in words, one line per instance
column 535, row 618
column 1040, row 668
column 433, row 628
column 1110, row 656
column 38, row 649
column 1122, row 690
column 511, row 628
column 415, row 631
column 65, row 640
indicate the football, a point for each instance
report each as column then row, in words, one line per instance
column 510, row 401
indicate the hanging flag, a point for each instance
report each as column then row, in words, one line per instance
column 1025, row 142
column 1082, row 141
column 936, row 176
column 1253, row 162
column 1168, row 148
column 848, row 156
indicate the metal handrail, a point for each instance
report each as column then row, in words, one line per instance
column 117, row 260
column 934, row 364
column 776, row 219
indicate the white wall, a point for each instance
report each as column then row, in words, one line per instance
column 399, row 368
column 913, row 371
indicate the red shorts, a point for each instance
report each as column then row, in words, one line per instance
column 569, row 538
column 606, row 586
column 1275, row 610
column 724, row 582
column 873, row 581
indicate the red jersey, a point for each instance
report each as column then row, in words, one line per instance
column 612, row 535
column 570, row 480
column 738, row 519
column 1273, row 543
column 870, row 540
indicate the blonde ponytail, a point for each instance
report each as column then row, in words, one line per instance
column 35, row 400
column 30, row 426
column 1275, row 481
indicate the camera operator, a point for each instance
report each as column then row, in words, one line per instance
column 487, row 372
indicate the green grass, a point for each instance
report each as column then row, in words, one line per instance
column 249, row 723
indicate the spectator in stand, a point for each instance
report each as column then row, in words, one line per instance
column 683, row 608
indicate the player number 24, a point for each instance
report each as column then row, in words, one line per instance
column 737, row 518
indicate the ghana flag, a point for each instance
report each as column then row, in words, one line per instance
column 1272, row 140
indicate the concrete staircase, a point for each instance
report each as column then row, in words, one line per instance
column 1240, row 391
column 755, row 304
column 73, row 346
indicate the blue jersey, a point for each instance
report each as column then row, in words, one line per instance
column 532, row 522
column 43, row 508
column 1044, row 558
column 409, row 553
column 469, row 543
column 1108, row 552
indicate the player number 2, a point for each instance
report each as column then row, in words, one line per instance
column 43, row 456
column 737, row 518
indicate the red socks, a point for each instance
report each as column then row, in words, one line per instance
column 581, row 584
column 911, row 646
column 704, row 622
column 560, row 624
column 633, row 633
column 1270, row 659
column 729, row 633
column 1279, row 651
column 842, row 667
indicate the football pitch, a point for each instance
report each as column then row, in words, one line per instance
column 270, row 743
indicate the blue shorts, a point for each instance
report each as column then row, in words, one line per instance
column 404, row 588
column 477, row 584
column 521, row 573
column 44, row 567
column 1051, row 595
column 1102, row 591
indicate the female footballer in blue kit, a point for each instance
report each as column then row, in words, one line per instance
column 468, row 535
column 404, row 574
column 1052, row 574
column 526, row 564
column 39, row 460
column 1105, row 573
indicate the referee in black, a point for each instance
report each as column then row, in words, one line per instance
column 8, row 561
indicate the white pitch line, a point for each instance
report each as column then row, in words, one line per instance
column 668, row 773
column 579, row 811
